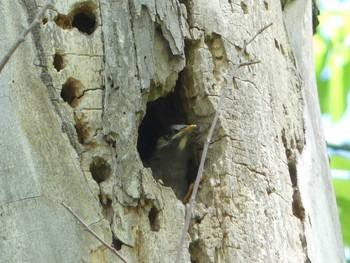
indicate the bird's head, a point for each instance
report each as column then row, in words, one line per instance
column 176, row 136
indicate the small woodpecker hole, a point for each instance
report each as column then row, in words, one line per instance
column 71, row 91
column 82, row 17
column 100, row 169
column 84, row 23
column 117, row 244
column 153, row 217
column 58, row 62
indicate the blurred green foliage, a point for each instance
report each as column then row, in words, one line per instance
column 340, row 163
column 342, row 194
column 332, row 62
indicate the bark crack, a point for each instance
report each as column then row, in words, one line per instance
column 23, row 199
column 298, row 207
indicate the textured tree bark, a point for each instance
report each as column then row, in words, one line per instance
column 84, row 98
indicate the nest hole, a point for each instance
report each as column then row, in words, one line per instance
column 160, row 114
column 100, row 169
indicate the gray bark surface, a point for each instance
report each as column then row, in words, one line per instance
column 69, row 132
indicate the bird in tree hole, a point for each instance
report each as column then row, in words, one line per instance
column 169, row 160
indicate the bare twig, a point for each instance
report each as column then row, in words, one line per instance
column 112, row 249
column 243, row 64
column 206, row 146
column 22, row 36
column 256, row 34
column 341, row 147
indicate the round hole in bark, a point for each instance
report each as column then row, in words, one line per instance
column 117, row 244
column 58, row 62
column 160, row 114
column 100, row 169
column 84, row 17
column 153, row 217
column 84, row 23
column 71, row 91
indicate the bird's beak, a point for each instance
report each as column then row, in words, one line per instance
column 187, row 129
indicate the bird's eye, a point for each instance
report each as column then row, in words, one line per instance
column 167, row 136
column 171, row 132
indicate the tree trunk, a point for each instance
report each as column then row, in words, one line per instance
column 86, row 96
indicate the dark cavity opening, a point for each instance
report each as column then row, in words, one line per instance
column 117, row 244
column 160, row 114
column 153, row 219
column 100, row 169
column 82, row 17
column 71, row 91
column 58, row 62
column 84, row 22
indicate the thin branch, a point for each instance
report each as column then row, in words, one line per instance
column 23, row 35
column 341, row 147
column 243, row 64
column 112, row 249
column 205, row 151
column 246, row 43
column 256, row 34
